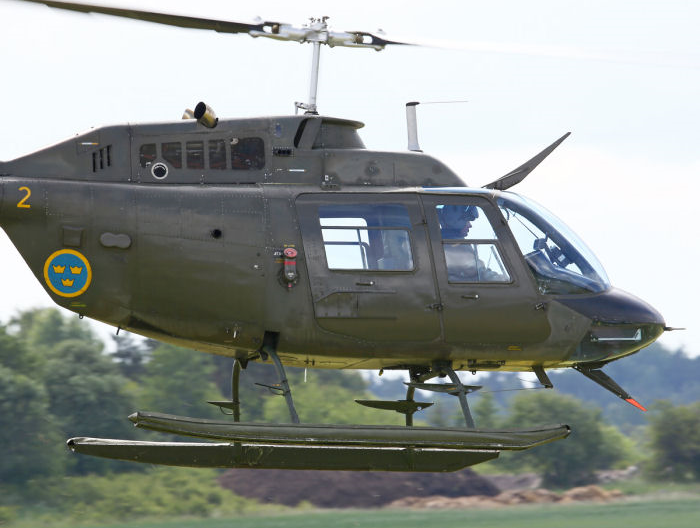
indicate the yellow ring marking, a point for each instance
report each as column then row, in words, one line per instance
column 76, row 254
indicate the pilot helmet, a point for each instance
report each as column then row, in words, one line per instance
column 456, row 216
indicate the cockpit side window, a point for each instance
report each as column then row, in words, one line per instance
column 470, row 245
column 366, row 237
column 559, row 260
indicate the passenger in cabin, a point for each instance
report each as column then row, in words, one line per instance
column 397, row 251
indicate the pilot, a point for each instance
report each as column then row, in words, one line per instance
column 463, row 263
column 456, row 220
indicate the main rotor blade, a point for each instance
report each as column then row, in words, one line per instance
column 362, row 39
column 317, row 31
column 220, row 26
column 642, row 57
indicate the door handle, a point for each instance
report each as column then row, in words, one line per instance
column 472, row 296
column 364, row 283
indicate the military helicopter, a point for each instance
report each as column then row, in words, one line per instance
column 284, row 240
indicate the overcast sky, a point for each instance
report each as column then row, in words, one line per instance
column 622, row 76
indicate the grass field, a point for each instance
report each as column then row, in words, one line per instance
column 683, row 512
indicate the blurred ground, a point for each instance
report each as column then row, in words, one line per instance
column 350, row 489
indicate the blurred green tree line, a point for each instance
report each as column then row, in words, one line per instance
column 57, row 381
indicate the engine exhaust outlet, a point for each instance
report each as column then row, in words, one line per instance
column 204, row 115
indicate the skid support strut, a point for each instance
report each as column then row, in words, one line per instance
column 284, row 384
column 235, row 401
column 443, row 368
column 416, row 376
column 456, row 388
column 462, row 395
column 235, row 404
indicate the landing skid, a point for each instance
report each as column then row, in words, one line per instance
column 281, row 457
column 316, row 446
column 307, row 446
column 319, row 435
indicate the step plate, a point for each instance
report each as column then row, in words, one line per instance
column 400, row 406
column 262, row 456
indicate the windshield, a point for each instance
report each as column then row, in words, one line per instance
column 560, row 261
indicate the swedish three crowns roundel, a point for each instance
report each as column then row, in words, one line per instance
column 67, row 272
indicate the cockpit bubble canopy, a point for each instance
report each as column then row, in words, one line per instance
column 560, row 261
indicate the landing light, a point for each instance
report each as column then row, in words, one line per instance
column 616, row 334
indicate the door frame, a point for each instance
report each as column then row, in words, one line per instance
column 351, row 301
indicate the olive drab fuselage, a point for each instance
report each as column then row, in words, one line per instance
column 284, row 239
column 213, row 238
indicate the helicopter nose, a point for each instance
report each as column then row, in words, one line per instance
column 620, row 325
column 615, row 306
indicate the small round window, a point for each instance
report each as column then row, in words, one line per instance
column 159, row 170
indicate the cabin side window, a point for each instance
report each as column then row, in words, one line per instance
column 469, row 245
column 172, row 153
column 195, row 154
column 366, row 237
column 217, row 154
column 247, row 153
column 147, row 154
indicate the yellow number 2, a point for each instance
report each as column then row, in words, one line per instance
column 21, row 203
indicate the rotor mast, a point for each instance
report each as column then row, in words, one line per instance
column 319, row 37
column 310, row 107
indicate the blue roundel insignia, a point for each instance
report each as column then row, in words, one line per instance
column 68, row 273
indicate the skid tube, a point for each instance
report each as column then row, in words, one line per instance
column 262, row 456
column 308, row 446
